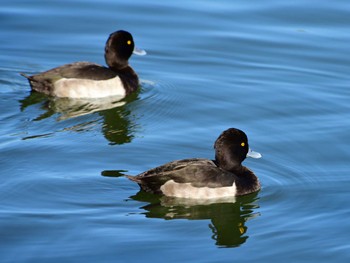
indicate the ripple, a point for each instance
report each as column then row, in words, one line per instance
column 278, row 71
column 159, row 100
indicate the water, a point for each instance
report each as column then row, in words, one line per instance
column 277, row 70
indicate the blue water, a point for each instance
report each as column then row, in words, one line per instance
column 277, row 70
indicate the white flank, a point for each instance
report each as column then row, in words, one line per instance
column 87, row 88
column 171, row 188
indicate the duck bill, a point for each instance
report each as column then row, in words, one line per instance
column 139, row 51
column 253, row 154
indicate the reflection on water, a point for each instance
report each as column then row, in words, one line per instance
column 277, row 70
column 116, row 126
column 228, row 217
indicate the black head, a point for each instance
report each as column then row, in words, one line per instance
column 231, row 149
column 119, row 48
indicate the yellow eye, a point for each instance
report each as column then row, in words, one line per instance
column 242, row 144
column 129, row 42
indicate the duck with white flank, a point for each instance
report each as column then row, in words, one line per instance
column 202, row 178
column 90, row 80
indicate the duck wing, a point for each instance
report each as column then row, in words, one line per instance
column 44, row 82
column 79, row 70
column 196, row 172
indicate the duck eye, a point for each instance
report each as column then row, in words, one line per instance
column 242, row 144
column 129, row 42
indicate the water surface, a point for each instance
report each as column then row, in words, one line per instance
column 278, row 71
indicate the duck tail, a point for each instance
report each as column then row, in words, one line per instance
column 25, row 75
column 119, row 173
column 133, row 178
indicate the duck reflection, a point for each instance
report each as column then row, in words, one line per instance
column 228, row 216
column 116, row 126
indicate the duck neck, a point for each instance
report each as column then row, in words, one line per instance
column 114, row 62
column 237, row 169
column 247, row 181
column 227, row 163
column 117, row 67
column 246, row 178
column 129, row 79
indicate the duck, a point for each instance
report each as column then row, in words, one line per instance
column 199, row 178
column 91, row 80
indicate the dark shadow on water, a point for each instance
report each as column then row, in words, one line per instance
column 116, row 127
column 227, row 217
